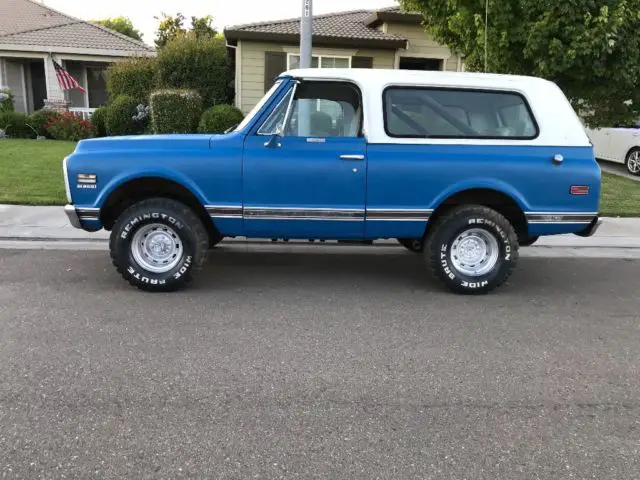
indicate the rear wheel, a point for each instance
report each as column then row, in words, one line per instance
column 472, row 249
column 632, row 162
column 413, row 245
column 158, row 245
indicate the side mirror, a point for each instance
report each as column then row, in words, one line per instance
column 274, row 140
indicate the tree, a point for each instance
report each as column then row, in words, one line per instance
column 590, row 48
column 171, row 28
column 122, row 25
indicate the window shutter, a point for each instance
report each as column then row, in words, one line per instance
column 361, row 62
column 274, row 64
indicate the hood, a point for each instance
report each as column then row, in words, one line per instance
column 146, row 142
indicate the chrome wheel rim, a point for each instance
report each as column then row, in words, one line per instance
column 633, row 163
column 157, row 248
column 475, row 252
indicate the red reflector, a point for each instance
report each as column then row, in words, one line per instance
column 579, row 190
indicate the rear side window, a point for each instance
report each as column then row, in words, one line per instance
column 457, row 113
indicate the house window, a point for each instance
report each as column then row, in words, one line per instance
column 319, row 61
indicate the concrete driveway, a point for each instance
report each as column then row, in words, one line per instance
column 318, row 364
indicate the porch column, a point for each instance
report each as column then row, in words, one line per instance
column 54, row 92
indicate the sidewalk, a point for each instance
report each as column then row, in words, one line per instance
column 20, row 223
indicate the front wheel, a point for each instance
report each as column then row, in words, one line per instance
column 158, row 245
column 632, row 162
column 472, row 249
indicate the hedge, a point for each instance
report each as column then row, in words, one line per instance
column 134, row 78
column 220, row 118
column 70, row 127
column 198, row 64
column 175, row 111
column 99, row 120
column 15, row 125
column 6, row 100
column 40, row 119
column 119, row 117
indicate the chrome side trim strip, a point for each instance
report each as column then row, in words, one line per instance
column 276, row 213
column 559, row 218
column 398, row 215
column 224, row 211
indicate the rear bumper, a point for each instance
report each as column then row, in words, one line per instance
column 83, row 218
column 591, row 229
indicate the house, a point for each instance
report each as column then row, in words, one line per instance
column 386, row 38
column 31, row 34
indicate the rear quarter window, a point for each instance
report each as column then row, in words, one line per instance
column 427, row 112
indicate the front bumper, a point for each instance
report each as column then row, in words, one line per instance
column 591, row 229
column 76, row 216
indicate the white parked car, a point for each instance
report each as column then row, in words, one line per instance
column 620, row 145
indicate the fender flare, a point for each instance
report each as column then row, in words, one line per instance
column 482, row 184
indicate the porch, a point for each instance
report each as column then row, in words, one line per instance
column 33, row 80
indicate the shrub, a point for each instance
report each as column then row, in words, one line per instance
column 120, row 117
column 70, row 127
column 175, row 111
column 6, row 100
column 132, row 77
column 39, row 120
column 200, row 64
column 98, row 118
column 15, row 125
column 220, row 118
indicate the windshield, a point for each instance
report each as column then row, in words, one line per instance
column 258, row 107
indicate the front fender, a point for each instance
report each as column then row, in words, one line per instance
column 485, row 184
column 164, row 174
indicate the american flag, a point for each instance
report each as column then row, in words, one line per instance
column 66, row 81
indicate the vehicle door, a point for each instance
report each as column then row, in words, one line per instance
column 621, row 140
column 304, row 168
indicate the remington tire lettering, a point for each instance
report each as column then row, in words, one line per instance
column 471, row 249
column 158, row 245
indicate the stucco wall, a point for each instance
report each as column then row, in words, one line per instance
column 422, row 44
column 250, row 65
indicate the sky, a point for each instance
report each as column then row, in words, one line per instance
column 225, row 12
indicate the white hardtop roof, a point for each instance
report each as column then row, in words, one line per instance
column 413, row 77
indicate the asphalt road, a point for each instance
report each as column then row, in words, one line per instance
column 318, row 365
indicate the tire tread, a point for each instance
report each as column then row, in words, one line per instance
column 433, row 257
column 192, row 221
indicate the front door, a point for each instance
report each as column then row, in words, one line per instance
column 309, row 180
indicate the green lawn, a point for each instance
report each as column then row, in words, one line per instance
column 31, row 174
column 620, row 196
column 31, row 171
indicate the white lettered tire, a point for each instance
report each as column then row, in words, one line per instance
column 158, row 245
column 472, row 249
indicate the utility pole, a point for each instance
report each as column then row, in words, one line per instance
column 486, row 29
column 306, row 28
column 306, row 34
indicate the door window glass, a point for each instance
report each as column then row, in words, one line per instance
column 325, row 109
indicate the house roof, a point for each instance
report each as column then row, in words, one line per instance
column 34, row 26
column 353, row 28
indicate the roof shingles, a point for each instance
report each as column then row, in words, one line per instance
column 24, row 22
column 345, row 25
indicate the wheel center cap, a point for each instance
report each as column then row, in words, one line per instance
column 159, row 244
column 471, row 250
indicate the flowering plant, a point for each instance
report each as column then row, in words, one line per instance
column 68, row 126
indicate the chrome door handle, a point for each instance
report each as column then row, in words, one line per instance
column 352, row 157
